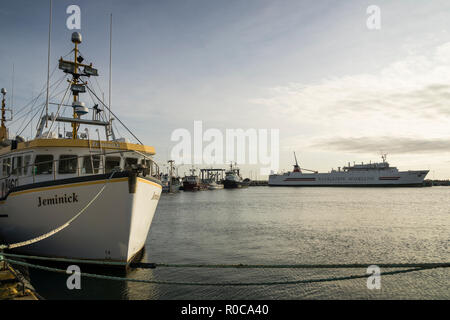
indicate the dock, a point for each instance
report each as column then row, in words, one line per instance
column 258, row 183
column 13, row 285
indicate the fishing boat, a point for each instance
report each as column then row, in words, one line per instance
column 212, row 183
column 191, row 182
column 215, row 186
column 170, row 182
column 69, row 195
column 233, row 178
column 373, row 174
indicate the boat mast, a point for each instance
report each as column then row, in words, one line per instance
column 110, row 64
column 3, row 131
column 48, row 63
column 170, row 174
column 76, row 40
column 77, row 86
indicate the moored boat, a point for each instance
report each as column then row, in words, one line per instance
column 73, row 196
column 191, row 182
column 233, row 179
column 170, row 182
column 378, row 174
column 215, row 186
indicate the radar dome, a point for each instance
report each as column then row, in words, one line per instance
column 76, row 37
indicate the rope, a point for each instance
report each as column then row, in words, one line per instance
column 150, row 265
column 91, row 275
column 117, row 118
column 111, row 263
column 301, row 266
column 55, row 231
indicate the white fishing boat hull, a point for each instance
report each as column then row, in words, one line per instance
column 215, row 186
column 113, row 227
column 350, row 179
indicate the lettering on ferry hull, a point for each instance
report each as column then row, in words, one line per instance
column 58, row 200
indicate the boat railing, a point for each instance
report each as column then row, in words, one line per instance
column 13, row 178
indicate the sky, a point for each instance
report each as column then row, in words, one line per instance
column 336, row 90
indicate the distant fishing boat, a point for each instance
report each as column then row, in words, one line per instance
column 68, row 195
column 213, row 185
column 170, row 182
column 378, row 174
column 170, row 186
column 191, row 182
column 233, row 179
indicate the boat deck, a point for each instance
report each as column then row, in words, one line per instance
column 11, row 285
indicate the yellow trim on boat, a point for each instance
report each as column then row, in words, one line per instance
column 150, row 182
column 78, row 143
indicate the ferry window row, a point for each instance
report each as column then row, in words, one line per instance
column 70, row 164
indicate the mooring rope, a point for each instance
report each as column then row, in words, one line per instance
column 98, row 276
column 151, row 265
column 55, row 231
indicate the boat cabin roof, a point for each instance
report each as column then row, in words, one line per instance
column 79, row 143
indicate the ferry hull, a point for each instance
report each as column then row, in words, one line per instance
column 344, row 179
column 114, row 227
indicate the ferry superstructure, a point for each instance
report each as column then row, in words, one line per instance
column 71, row 195
column 359, row 175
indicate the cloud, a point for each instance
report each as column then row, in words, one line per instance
column 391, row 145
column 413, row 90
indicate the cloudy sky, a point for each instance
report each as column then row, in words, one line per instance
column 337, row 91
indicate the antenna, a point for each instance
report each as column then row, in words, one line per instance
column 110, row 63
column 12, row 88
column 48, row 63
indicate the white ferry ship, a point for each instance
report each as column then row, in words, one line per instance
column 359, row 175
column 69, row 195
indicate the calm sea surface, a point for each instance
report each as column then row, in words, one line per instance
column 276, row 225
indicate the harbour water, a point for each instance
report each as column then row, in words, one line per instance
column 278, row 225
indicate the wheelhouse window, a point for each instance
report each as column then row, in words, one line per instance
column 17, row 166
column 111, row 163
column 6, row 166
column 152, row 166
column 44, row 164
column 26, row 164
column 91, row 164
column 129, row 162
column 67, row 164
